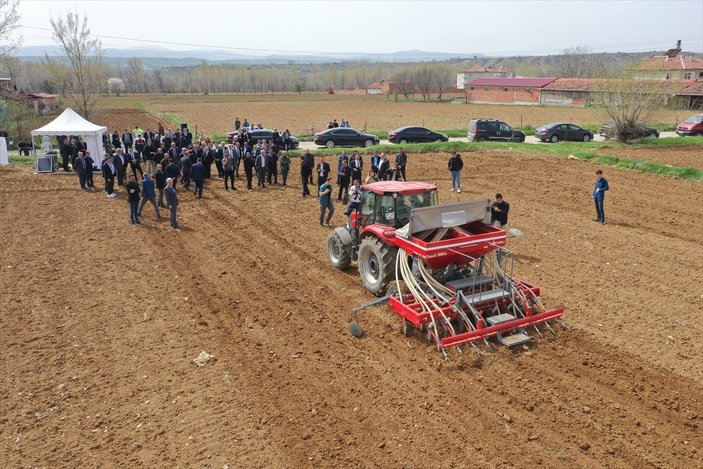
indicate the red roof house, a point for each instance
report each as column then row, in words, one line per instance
column 506, row 90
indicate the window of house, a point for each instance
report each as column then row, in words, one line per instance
column 505, row 88
column 668, row 75
column 528, row 90
column 487, row 88
column 472, row 87
column 700, row 74
column 687, row 76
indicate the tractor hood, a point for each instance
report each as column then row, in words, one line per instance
column 446, row 216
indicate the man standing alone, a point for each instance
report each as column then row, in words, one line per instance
column 171, row 201
column 599, row 195
column 455, row 166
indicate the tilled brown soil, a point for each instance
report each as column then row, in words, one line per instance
column 684, row 157
column 101, row 322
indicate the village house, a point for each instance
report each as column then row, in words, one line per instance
column 479, row 71
column 670, row 66
column 691, row 96
column 567, row 92
column 387, row 87
column 506, row 90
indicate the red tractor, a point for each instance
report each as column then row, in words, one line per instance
column 443, row 268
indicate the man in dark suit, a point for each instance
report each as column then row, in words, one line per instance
column 173, row 152
column 219, row 153
column 187, row 136
column 305, row 173
column 171, row 170
column 79, row 166
column 323, row 171
column 208, row 158
column 120, row 163
column 249, row 164
column 236, row 154
column 89, row 162
column 198, row 173
column 185, row 168
column 171, row 201
column 383, row 166
column 109, row 172
column 357, row 166
column 127, row 140
column 133, row 159
column 310, row 161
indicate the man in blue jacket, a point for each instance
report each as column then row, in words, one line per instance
column 197, row 174
column 148, row 195
column 599, row 195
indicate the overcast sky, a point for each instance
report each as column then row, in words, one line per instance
column 485, row 27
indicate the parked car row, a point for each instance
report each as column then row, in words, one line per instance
column 479, row 130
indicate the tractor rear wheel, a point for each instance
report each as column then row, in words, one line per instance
column 376, row 265
column 338, row 254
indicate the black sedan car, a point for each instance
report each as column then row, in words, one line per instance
column 640, row 131
column 414, row 134
column 345, row 137
column 258, row 135
column 562, row 131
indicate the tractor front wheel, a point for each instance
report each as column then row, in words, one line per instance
column 376, row 265
column 338, row 254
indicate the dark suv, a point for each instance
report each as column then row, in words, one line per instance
column 481, row 130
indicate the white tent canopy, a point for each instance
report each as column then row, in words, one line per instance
column 70, row 123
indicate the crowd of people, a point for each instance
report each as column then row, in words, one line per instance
column 173, row 158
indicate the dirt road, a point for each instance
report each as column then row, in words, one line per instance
column 101, row 322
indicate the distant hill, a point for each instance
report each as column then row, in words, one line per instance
column 154, row 58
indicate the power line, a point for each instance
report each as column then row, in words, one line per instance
column 153, row 41
column 601, row 48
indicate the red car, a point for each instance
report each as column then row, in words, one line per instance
column 691, row 126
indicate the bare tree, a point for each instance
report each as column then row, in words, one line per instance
column 423, row 78
column 137, row 75
column 443, row 77
column 82, row 55
column 631, row 104
column 403, row 79
column 9, row 20
column 575, row 62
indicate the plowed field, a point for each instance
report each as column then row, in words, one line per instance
column 101, row 322
column 215, row 114
column 684, row 157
